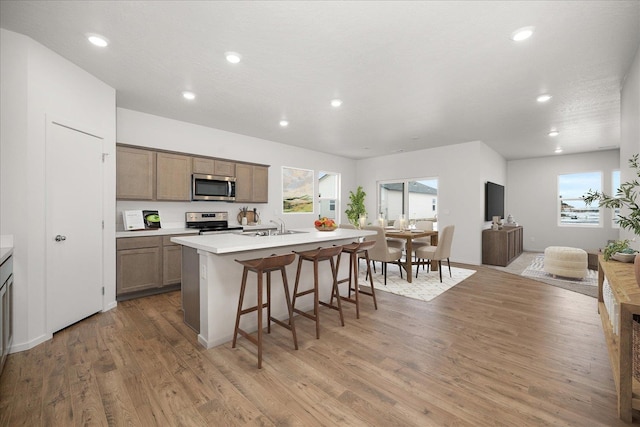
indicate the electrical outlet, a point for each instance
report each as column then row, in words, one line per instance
column 203, row 272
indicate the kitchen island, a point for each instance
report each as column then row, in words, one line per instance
column 211, row 277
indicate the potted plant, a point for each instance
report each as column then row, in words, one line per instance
column 625, row 197
column 620, row 251
column 356, row 206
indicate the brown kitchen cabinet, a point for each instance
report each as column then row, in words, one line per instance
column 135, row 173
column 252, row 183
column 147, row 265
column 173, row 177
column 171, row 262
column 216, row 167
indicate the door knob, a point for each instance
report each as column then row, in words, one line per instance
column 60, row 238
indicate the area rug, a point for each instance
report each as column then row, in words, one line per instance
column 426, row 287
column 586, row 286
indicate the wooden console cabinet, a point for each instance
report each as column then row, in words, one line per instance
column 618, row 302
column 500, row 247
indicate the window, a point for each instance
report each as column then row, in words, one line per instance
column 615, row 185
column 328, row 196
column 418, row 199
column 572, row 209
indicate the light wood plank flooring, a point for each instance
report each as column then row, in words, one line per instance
column 496, row 350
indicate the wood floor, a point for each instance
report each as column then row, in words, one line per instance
column 496, row 350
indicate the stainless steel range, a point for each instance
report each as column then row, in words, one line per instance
column 210, row 222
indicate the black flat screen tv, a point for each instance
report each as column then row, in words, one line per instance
column 493, row 201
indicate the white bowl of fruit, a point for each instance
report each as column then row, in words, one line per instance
column 325, row 224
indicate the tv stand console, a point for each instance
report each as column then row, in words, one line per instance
column 500, row 247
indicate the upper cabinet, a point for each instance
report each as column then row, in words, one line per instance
column 174, row 177
column 252, row 183
column 213, row 167
column 135, row 173
column 147, row 174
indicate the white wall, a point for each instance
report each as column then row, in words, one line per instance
column 147, row 130
column 532, row 198
column 630, row 127
column 461, row 170
column 37, row 83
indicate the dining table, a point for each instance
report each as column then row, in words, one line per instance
column 409, row 235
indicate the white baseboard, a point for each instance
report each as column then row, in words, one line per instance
column 16, row 348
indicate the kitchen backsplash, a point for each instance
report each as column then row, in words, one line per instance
column 172, row 213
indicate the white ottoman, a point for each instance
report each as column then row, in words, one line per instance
column 565, row 262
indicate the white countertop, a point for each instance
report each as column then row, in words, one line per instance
column 158, row 232
column 168, row 231
column 228, row 243
column 5, row 253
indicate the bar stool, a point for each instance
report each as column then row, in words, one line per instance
column 259, row 266
column 316, row 256
column 357, row 250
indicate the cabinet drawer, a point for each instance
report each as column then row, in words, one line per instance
column 138, row 242
column 166, row 240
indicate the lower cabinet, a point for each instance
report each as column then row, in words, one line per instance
column 500, row 247
column 147, row 265
column 6, row 309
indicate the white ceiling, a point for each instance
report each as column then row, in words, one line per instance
column 412, row 75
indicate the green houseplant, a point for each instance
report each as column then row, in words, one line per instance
column 625, row 197
column 356, row 206
column 619, row 246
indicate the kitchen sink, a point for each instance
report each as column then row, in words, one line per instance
column 271, row 233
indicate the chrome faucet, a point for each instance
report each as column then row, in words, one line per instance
column 282, row 227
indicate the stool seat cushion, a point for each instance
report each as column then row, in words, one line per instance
column 565, row 261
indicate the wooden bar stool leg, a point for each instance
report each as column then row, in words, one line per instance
column 240, row 301
column 268, row 302
column 259, row 320
column 373, row 290
column 316, row 300
column 295, row 287
column 337, row 269
column 289, row 307
column 354, row 265
column 334, row 274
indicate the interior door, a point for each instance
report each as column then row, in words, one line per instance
column 73, row 225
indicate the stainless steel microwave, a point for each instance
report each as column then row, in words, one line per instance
column 211, row 187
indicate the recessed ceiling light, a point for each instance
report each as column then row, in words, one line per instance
column 558, row 150
column 544, row 98
column 98, row 40
column 554, row 133
column 188, row 95
column 233, row 57
column 284, row 123
column 336, row 102
column 522, row 34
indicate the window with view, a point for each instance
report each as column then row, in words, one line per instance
column 328, row 194
column 572, row 209
column 417, row 199
column 615, row 184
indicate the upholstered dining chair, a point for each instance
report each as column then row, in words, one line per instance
column 439, row 252
column 382, row 251
column 422, row 241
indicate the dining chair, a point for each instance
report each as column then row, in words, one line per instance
column 439, row 252
column 382, row 252
column 422, row 241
